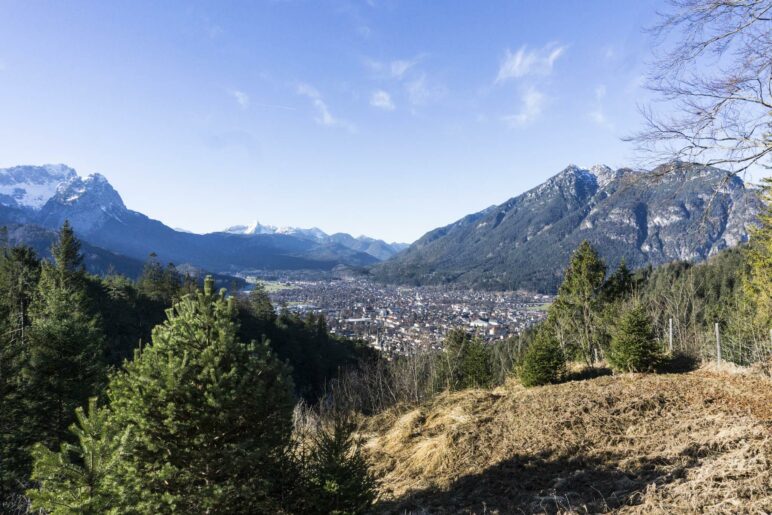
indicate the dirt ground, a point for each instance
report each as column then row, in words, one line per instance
column 699, row 442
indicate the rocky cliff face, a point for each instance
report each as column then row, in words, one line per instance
column 676, row 212
column 88, row 203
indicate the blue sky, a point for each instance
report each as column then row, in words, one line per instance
column 386, row 118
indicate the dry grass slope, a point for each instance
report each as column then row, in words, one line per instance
column 696, row 442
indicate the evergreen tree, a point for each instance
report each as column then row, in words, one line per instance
column 758, row 282
column 66, row 356
column 19, row 274
column 467, row 362
column 162, row 284
column 128, row 315
column 189, row 285
column 574, row 314
column 633, row 346
column 260, row 304
column 80, row 478
column 212, row 414
column 620, row 284
column 68, row 261
column 171, row 284
column 544, row 361
column 334, row 473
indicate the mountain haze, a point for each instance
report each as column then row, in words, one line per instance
column 645, row 218
column 46, row 196
column 377, row 248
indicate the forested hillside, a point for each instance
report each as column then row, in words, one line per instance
column 68, row 337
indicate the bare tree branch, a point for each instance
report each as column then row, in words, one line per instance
column 714, row 85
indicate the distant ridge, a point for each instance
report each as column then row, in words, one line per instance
column 688, row 213
column 46, row 195
column 377, row 248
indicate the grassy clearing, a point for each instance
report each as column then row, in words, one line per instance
column 276, row 286
column 667, row 443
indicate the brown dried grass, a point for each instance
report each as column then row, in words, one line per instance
column 696, row 442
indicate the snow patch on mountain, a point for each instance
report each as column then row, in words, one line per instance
column 95, row 191
column 376, row 248
column 32, row 186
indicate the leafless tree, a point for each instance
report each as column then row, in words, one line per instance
column 712, row 77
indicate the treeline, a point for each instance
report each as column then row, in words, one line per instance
column 154, row 396
column 654, row 318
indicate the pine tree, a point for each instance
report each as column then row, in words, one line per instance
column 260, row 304
column 334, row 473
column 66, row 354
column 467, row 362
column 80, row 478
column 19, row 273
column 67, row 257
column 171, row 283
column 633, row 346
column 543, row 362
column 212, row 415
column 619, row 284
column 579, row 302
column 758, row 282
column 158, row 283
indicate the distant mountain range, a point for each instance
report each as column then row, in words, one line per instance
column 44, row 197
column 688, row 213
column 377, row 248
column 675, row 212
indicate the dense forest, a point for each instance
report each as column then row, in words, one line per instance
column 150, row 355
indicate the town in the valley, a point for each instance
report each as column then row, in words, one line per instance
column 401, row 319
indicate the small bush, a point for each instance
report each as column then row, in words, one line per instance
column 544, row 361
column 467, row 362
column 335, row 473
column 633, row 346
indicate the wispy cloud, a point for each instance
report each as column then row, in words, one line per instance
column 419, row 88
column 323, row 115
column 421, row 91
column 527, row 62
column 532, row 104
column 395, row 69
column 382, row 100
column 399, row 67
column 598, row 114
column 240, row 97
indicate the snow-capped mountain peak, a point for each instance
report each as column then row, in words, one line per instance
column 32, row 186
column 253, row 228
column 94, row 190
column 313, row 233
column 258, row 228
column 376, row 248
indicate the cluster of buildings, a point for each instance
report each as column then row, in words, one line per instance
column 398, row 319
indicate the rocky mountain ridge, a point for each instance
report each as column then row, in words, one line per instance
column 678, row 211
